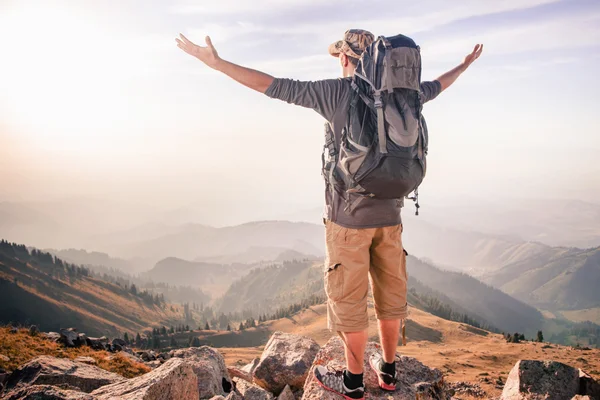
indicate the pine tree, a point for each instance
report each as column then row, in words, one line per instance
column 173, row 342
column 138, row 339
column 540, row 336
column 228, row 328
column 163, row 330
column 156, row 342
column 241, row 328
column 126, row 337
column 195, row 342
column 207, row 327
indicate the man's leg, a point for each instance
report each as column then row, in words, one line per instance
column 389, row 280
column 355, row 344
column 347, row 286
column 389, row 333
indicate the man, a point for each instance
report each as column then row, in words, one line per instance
column 366, row 241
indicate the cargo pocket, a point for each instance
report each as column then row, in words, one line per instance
column 334, row 281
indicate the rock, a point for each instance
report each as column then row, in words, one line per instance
column 14, row 330
column 588, row 386
column 209, row 366
column 467, row 388
column 147, row 356
column 119, row 342
column 174, row 380
column 53, row 336
column 4, row 358
column 68, row 336
column 286, row 394
column 581, row 397
column 233, row 395
column 86, row 360
column 97, row 343
column 153, row 364
column 286, row 360
column 251, row 366
column 46, row 392
column 46, row 370
column 532, row 379
column 250, row 391
column 238, row 373
column 217, row 398
column 127, row 355
column 3, row 377
column 33, row 330
column 417, row 381
column 116, row 348
column 81, row 340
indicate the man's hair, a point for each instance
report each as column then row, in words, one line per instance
column 353, row 61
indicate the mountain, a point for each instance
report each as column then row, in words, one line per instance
column 37, row 288
column 556, row 279
column 264, row 289
column 259, row 254
column 96, row 258
column 194, row 241
column 210, row 277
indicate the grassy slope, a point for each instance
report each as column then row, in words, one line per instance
column 28, row 294
column 22, row 347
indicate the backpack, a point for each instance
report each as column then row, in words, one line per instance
column 384, row 143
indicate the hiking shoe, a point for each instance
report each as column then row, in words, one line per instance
column 334, row 382
column 387, row 382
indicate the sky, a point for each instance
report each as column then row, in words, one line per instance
column 97, row 102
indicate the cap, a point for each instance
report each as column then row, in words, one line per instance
column 354, row 43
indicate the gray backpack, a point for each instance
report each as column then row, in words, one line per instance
column 383, row 145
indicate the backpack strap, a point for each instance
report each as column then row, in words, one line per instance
column 380, row 122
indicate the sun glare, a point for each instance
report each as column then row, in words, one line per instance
column 58, row 69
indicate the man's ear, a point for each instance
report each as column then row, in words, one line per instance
column 344, row 60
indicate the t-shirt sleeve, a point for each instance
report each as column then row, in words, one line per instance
column 430, row 90
column 322, row 96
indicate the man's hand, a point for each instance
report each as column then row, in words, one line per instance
column 449, row 77
column 473, row 56
column 256, row 80
column 208, row 55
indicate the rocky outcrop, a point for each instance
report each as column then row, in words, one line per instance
column 46, row 392
column 174, row 380
column 238, row 373
column 250, row 391
column 209, row 366
column 286, row 394
column 45, row 370
column 416, row 381
column 286, row 360
column 249, row 368
column 533, row 380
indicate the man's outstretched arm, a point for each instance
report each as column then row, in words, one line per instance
column 251, row 78
column 449, row 77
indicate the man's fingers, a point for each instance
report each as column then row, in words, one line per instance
column 209, row 42
column 186, row 40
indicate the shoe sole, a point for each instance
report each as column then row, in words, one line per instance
column 382, row 384
column 336, row 392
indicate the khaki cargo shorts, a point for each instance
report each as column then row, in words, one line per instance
column 352, row 256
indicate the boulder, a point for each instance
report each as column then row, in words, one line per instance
column 34, row 330
column 417, row 381
column 46, row 370
column 86, row 360
column 286, row 394
column 251, row 391
column 251, row 366
column 238, row 373
column 14, row 330
column 52, row 336
column 147, row 356
column 153, row 364
column 209, row 366
column 174, row 380
column 69, row 336
column 3, row 377
column 233, row 395
column 588, row 386
column 97, row 343
column 286, row 360
column 533, row 379
column 217, row 398
column 46, row 392
column 119, row 342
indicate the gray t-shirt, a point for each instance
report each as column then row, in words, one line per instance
column 331, row 99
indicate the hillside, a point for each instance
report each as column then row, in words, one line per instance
column 36, row 288
column 193, row 241
column 558, row 279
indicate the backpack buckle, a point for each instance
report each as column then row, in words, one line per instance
column 377, row 102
